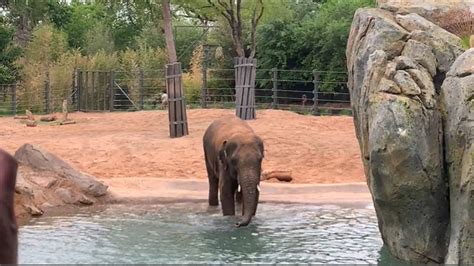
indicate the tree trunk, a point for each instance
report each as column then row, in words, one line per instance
column 170, row 47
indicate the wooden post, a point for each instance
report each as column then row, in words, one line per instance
column 14, row 104
column 46, row 94
column 316, row 80
column 245, row 72
column 111, row 91
column 86, row 92
column 274, row 88
column 141, row 89
column 176, row 102
column 79, row 90
column 94, row 101
column 204, row 86
column 74, row 87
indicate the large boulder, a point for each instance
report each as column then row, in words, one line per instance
column 39, row 159
column 457, row 96
column 396, row 66
column 44, row 181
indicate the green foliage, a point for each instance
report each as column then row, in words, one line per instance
column 316, row 41
column 8, row 54
column 47, row 44
column 84, row 18
column 466, row 42
column 59, row 13
column 99, row 38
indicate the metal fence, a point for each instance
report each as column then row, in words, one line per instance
column 307, row 92
column 295, row 90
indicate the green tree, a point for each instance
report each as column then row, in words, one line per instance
column 99, row 38
column 316, row 41
column 84, row 18
column 8, row 54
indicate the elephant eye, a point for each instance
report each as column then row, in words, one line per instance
column 234, row 161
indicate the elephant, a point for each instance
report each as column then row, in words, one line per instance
column 233, row 155
column 8, row 225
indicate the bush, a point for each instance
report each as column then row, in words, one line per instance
column 192, row 80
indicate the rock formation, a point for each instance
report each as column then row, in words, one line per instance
column 397, row 63
column 457, row 94
column 45, row 181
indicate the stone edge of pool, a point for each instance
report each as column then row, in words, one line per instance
column 136, row 190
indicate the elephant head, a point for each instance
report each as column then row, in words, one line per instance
column 242, row 158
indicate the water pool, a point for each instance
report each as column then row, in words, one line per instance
column 196, row 233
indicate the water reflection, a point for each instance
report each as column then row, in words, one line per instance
column 195, row 233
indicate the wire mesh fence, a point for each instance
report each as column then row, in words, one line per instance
column 306, row 92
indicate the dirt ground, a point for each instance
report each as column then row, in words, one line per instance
column 136, row 144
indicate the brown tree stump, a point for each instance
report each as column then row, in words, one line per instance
column 30, row 115
column 31, row 123
column 64, row 118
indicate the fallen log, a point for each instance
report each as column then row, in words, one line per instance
column 68, row 122
column 48, row 118
column 283, row 176
column 23, row 117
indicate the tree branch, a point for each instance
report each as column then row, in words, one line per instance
column 253, row 33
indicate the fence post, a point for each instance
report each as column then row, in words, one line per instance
column 316, row 80
column 274, row 88
column 79, row 90
column 46, row 94
column 14, row 104
column 204, row 86
column 111, row 91
column 141, row 88
column 74, row 87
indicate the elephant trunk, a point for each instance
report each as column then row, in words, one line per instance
column 250, row 196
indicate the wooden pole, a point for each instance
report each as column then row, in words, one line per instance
column 174, row 87
column 165, row 6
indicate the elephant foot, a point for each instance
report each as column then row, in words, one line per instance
column 213, row 202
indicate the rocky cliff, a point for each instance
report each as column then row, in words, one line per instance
column 397, row 63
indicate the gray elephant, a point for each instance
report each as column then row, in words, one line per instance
column 8, row 226
column 233, row 154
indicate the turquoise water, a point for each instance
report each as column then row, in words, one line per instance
column 196, row 233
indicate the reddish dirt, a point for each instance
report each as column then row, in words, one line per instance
column 108, row 145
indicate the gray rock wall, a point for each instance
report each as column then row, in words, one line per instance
column 396, row 64
column 457, row 98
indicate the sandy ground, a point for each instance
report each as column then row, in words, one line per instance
column 136, row 144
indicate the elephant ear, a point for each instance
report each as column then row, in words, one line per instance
column 227, row 151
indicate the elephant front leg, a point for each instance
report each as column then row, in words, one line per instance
column 227, row 192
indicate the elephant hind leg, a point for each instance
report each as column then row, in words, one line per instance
column 213, row 185
column 213, row 191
